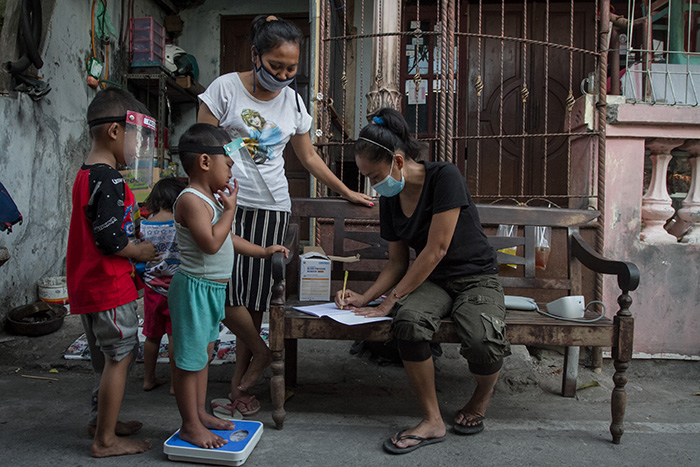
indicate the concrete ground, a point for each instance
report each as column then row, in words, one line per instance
column 345, row 406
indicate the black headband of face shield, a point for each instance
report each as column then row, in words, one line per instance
column 100, row 121
column 198, row 149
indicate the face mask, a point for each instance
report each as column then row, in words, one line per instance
column 390, row 187
column 269, row 81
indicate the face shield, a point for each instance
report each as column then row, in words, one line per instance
column 139, row 146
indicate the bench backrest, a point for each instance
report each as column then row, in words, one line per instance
column 345, row 229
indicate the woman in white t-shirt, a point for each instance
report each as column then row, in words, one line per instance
column 258, row 106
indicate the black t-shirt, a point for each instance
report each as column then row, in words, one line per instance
column 109, row 208
column 444, row 188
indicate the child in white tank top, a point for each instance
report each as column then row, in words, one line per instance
column 197, row 291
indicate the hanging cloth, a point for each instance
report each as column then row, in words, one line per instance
column 9, row 214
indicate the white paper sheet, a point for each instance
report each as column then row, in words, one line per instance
column 342, row 316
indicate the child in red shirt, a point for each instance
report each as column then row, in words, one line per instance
column 100, row 275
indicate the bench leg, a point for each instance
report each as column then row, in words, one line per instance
column 277, row 365
column 277, row 389
column 570, row 373
column 597, row 358
column 618, row 403
column 290, row 362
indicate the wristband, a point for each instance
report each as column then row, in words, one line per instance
column 396, row 295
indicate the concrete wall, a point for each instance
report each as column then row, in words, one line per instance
column 201, row 35
column 43, row 143
column 666, row 306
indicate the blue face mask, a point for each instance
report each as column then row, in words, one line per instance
column 390, row 187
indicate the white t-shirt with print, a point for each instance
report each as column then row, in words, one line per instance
column 266, row 127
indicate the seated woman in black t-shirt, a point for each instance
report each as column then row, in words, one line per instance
column 426, row 206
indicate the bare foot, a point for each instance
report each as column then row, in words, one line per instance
column 257, row 365
column 425, row 429
column 120, row 447
column 200, row 436
column 151, row 385
column 214, row 423
column 122, row 428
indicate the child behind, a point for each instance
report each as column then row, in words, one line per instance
column 198, row 289
column 159, row 229
column 99, row 271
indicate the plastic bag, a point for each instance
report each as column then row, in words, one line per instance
column 508, row 231
column 543, row 242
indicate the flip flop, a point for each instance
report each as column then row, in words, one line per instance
column 235, row 409
column 390, row 447
column 469, row 430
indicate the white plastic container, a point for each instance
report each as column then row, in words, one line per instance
column 241, row 442
column 53, row 289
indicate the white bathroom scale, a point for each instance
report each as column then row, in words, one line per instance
column 241, row 442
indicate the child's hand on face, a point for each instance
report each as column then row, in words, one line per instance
column 271, row 250
column 146, row 252
column 228, row 198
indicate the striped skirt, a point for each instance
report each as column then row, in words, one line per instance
column 251, row 280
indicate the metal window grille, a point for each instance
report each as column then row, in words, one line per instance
column 497, row 88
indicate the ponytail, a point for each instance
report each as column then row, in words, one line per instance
column 387, row 133
column 268, row 32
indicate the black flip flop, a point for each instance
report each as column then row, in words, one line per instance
column 390, row 447
column 469, row 430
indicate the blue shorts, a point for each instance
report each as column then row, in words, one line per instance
column 196, row 309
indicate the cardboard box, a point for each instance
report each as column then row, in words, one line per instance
column 315, row 273
column 314, row 276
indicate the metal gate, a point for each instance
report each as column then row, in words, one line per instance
column 501, row 89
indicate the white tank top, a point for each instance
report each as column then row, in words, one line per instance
column 193, row 260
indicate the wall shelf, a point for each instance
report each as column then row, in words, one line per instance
column 154, row 83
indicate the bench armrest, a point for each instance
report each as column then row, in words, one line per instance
column 279, row 262
column 627, row 273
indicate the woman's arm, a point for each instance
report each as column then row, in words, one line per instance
column 442, row 228
column 313, row 163
column 205, row 116
column 393, row 271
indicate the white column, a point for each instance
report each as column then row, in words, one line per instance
column 690, row 212
column 656, row 203
column 384, row 90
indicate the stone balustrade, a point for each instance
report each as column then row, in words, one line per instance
column 657, row 206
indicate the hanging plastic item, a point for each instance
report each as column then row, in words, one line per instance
column 543, row 246
column 139, row 146
column 508, row 231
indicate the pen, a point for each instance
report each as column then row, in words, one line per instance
column 345, row 282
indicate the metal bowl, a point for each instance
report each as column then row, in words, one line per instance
column 36, row 319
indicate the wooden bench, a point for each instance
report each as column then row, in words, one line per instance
column 354, row 230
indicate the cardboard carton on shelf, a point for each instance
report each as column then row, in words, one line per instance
column 186, row 82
